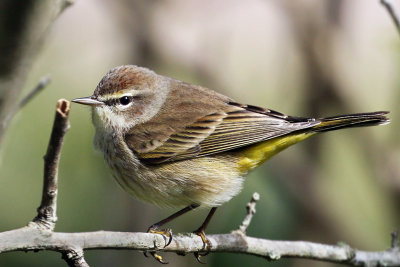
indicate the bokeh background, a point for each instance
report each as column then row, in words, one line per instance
column 304, row 58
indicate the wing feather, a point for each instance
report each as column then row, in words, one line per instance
column 223, row 131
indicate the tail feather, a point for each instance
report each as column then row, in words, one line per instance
column 352, row 120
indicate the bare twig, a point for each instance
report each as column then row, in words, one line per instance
column 47, row 211
column 44, row 81
column 251, row 210
column 24, row 29
column 74, row 258
column 393, row 12
column 29, row 239
column 395, row 240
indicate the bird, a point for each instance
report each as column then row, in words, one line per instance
column 176, row 144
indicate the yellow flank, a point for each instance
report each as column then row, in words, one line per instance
column 257, row 154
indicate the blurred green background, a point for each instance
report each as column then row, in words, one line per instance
column 303, row 58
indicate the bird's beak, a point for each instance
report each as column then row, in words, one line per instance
column 89, row 100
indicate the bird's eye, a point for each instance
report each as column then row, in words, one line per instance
column 125, row 100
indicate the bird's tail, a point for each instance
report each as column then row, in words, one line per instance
column 352, row 120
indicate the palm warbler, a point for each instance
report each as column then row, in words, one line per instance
column 172, row 143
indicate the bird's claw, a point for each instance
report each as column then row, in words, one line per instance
column 206, row 246
column 157, row 257
column 166, row 234
column 206, row 242
column 197, row 255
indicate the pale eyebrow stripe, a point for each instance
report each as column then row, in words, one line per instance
column 126, row 92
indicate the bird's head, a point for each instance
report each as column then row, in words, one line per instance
column 126, row 96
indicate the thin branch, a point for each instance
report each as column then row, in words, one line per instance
column 395, row 240
column 74, row 258
column 393, row 12
column 24, row 29
column 29, row 239
column 251, row 210
column 44, row 81
column 47, row 211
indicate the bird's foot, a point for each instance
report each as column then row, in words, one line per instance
column 167, row 235
column 206, row 245
column 157, row 257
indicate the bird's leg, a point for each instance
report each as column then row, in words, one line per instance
column 155, row 228
column 167, row 233
column 201, row 232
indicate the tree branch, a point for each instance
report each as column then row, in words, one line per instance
column 251, row 210
column 29, row 239
column 395, row 240
column 393, row 12
column 74, row 258
column 44, row 81
column 23, row 28
column 47, row 217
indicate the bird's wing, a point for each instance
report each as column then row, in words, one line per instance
column 232, row 127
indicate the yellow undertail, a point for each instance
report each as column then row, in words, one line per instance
column 257, row 154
